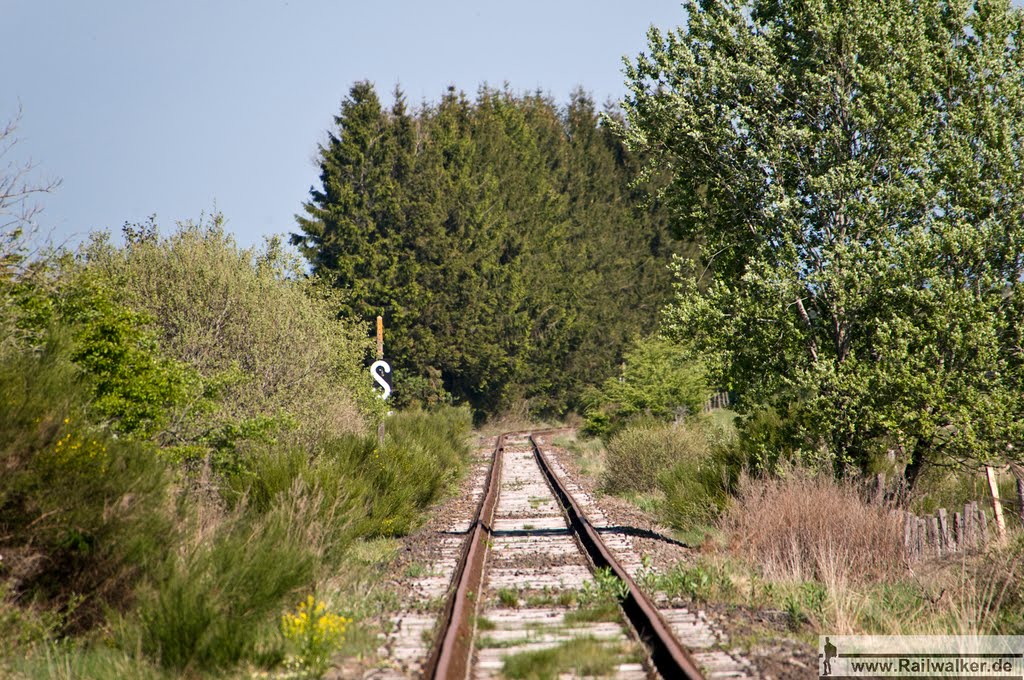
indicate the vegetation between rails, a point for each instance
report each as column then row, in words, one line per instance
column 583, row 657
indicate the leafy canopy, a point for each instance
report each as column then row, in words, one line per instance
column 852, row 171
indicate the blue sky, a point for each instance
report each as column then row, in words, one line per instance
column 174, row 107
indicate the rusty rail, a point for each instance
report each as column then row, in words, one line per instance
column 669, row 657
column 450, row 657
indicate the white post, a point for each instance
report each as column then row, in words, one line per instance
column 997, row 507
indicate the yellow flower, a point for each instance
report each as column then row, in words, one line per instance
column 315, row 632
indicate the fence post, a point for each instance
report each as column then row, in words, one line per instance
column 958, row 530
column 982, row 523
column 944, row 530
column 908, row 536
column 1020, row 499
column 997, row 507
column 933, row 535
column 970, row 527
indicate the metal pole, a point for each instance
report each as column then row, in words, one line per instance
column 380, row 357
column 380, row 338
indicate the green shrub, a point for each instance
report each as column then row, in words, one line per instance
column 658, row 380
column 89, row 530
column 82, row 512
column 693, row 466
column 379, row 490
column 24, row 626
column 430, row 450
column 695, row 491
column 273, row 356
column 210, row 610
column 765, row 441
column 638, row 455
column 132, row 384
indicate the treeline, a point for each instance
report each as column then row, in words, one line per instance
column 504, row 240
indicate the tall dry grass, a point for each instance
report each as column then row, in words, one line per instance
column 803, row 527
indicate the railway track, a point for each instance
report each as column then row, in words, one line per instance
column 535, row 578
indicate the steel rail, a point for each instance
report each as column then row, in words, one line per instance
column 669, row 657
column 450, row 657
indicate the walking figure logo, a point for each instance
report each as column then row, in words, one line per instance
column 830, row 652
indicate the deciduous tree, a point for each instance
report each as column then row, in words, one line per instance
column 853, row 171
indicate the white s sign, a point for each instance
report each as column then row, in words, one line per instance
column 379, row 379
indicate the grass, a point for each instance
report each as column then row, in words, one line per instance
column 200, row 497
column 650, row 502
column 588, row 453
column 508, row 597
column 415, row 570
column 357, row 590
column 552, row 598
column 64, row 661
column 594, row 613
column 805, row 527
column 488, row 642
column 515, row 418
column 582, row 657
column 812, row 549
column 706, row 581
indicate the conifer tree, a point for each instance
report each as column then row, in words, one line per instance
column 501, row 239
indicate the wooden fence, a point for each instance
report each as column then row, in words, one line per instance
column 717, row 400
column 944, row 533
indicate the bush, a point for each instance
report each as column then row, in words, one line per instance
column 132, row 384
column 208, row 611
column 267, row 341
column 690, row 464
column 658, row 380
column 90, row 531
column 695, row 491
column 765, row 441
column 803, row 528
column 82, row 513
column 381, row 490
column 293, row 514
column 642, row 452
